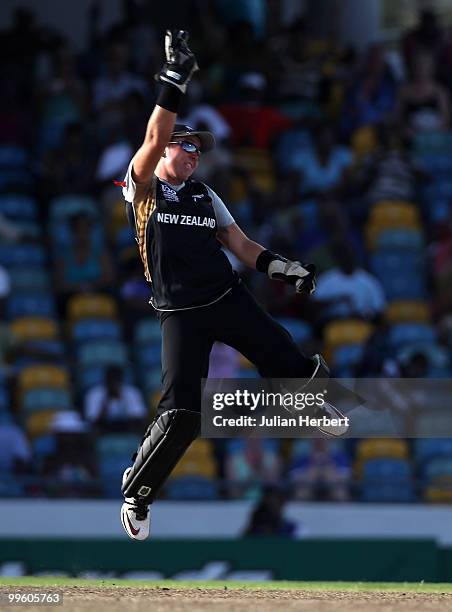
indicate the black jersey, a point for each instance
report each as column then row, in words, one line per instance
column 176, row 233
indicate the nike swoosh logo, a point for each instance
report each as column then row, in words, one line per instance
column 132, row 528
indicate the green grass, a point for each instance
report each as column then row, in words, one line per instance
column 61, row 582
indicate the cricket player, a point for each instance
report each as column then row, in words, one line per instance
column 181, row 226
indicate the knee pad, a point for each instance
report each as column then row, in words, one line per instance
column 166, row 440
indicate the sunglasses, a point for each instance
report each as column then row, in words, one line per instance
column 187, row 146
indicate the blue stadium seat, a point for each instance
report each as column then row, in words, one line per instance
column 27, row 255
column 18, row 207
column 408, row 333
column 29, row 279
column 427, row 448
column 400, row 239
column 191, row 488
column 387, row 480
column 147, row 331
column 86, row 330
column 13, row 156
column 102, row 352
column 114, row 452
column 299, row 330
column 30, row 304
column 35, row 400
column 149, row 356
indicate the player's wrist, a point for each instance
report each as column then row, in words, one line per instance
column 265, row 258
column 169, row 97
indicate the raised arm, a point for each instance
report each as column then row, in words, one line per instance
column 176, row 73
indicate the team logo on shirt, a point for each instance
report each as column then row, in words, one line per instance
column 169, row 194
column 198, row 196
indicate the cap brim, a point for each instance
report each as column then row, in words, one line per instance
column 207, row 138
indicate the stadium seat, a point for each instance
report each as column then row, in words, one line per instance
column 40, row 423
column 93, row 306
column 30, row 304
column 346, row 331
column 39, row 376
column 147, row 331
column 26, row 255
column 428, row 448
column 86, row 330
column 405, row 311
column 387, row 480
column 18, row 207
column 29, row 279
column 406, row 238
column 34, row 328
column 299, row 330
column 46, row 399
column 410, row 333
column 101, row 353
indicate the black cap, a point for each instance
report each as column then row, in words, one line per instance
column 207, row 139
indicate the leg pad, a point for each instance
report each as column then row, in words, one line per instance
column 166, row 440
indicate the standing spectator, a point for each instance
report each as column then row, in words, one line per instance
column 423, row 103
column 267, row 517
column 114, row 405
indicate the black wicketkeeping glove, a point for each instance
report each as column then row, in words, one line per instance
column 180, row 61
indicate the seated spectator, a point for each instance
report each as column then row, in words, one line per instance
column 15, row 451
column 135, row 292
column 371, row 95
column 324, row 473
column 267, row 517
column 321, row 168
column 423, row 103
column 112, row 88
column 115, row 405
column 251, row 463
column 71, row 470
column 253, row 123
column 84, row 265
column 347, row 290
column 69, row 166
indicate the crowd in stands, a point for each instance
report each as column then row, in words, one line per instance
column 325, row 154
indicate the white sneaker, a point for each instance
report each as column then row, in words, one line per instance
column 135, row 516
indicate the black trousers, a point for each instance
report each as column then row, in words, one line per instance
column 237, row 320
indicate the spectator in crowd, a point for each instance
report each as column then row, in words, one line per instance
column 253, row 122
column 321, row 169
column 85, row 265
column 69, row 167
column 426, row 37
column 371, row 95
column 423, row 103
column 112, row 88
column 347, row 290
column 71, row 470
column 115, row 405
column 267, row 518
column 251, row 463
column 15, row 451
column 323, row 473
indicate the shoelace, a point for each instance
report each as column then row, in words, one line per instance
column 141, row 509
